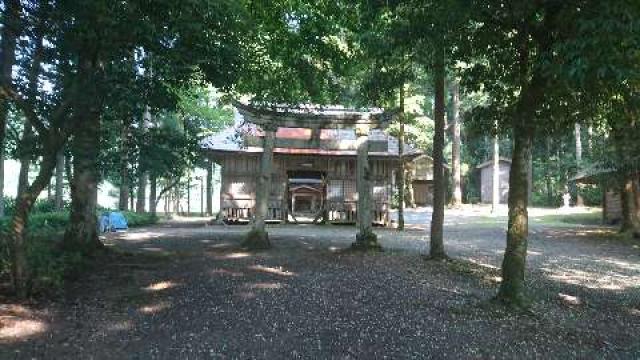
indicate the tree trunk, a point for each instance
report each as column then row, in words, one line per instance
column 59, row 192
column 153, row 188
column 1, row 177
column 141, row 194
column 189, row 194
column 143, row 174
column 24, row 203
column 408, row 179
column 81, row 233
column 630, row 222
column 25, row 149
column 123, row 200
column 530, row 178
column 437, row 218
column 495, row 176
column 68, row 168
column 579, row 199
column 12, row 27
column 401, row 170
column 514, row 262
column 210, row 168
column 455, row 146
column 258, row 238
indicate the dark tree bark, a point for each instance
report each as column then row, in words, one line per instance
column 548, row 175
column 209, row 188
column 81, row 234
column 514, row 261
column 141, row 194
column 512, row 288
column 25, row 150
column 68, row 167
column 123, row 200
column 437, row 218
column 59, row 187
column 456, row 200
column 12, row 27
column 153, row 188
column 630, row 222
column 24, row 204
column 401, row 169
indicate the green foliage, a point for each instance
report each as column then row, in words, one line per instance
column 139, row 219
column 40, row 206
column 590, row 218
column 50, row 266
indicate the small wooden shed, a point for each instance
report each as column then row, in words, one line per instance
column 611, row 196
column 486, row 180
column 422, row 179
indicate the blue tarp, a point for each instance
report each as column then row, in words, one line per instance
column 112, row 221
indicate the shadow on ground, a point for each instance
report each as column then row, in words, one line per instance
column 175, row 291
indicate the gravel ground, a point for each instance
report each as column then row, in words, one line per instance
column 185, row 290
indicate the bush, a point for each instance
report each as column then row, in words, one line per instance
column 48, row 264
column 136, row 219
column 40, row 206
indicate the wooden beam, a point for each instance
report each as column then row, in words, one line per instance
column 374, row 146
column 315, row 119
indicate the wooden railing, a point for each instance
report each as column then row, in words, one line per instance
column 345, row 213
column 245, row 214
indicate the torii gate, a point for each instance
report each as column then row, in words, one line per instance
column 315, row 119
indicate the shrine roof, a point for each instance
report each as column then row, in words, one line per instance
column 244, row 136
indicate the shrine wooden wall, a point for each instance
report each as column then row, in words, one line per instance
column 238, row 188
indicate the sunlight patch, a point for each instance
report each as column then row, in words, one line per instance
column 12, row 327
column 234, row 255
column 570, row 299
column 226, row 272
column 121, row 326
column 266, row 286
column 154, row 308
column 272, row 270
column 162, row 285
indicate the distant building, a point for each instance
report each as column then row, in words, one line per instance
column 486, row 180
column 422, row 179
column 314, row 164
column 611, row 196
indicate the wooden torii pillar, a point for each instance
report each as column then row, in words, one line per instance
column 271, row 119
column 258, row 238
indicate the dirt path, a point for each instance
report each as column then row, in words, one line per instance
column 188, row 291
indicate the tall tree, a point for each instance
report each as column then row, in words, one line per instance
column 59, row 185
column 456, row 199
column 579, row 199
column 495, row 175
column 536, row 62
column 11, row 30
column 436, row 243
column 125, row 139
column 401, row 170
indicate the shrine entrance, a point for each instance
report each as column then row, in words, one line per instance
column 269, row 120
column 306, row 196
